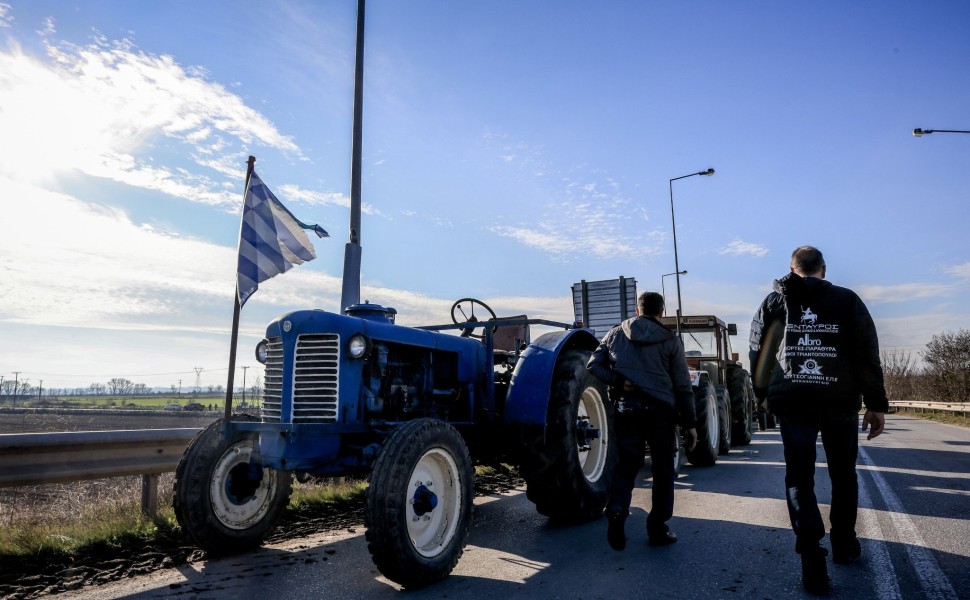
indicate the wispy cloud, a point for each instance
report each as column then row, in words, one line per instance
column 70, row 263
column 903, row 292
column 5, row 17
column 295, row 192
column 742, row 248
column 130, row 102
column 590, row 218
column 960, row 271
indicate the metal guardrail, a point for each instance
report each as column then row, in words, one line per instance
column 39, row 458
column 954, row 407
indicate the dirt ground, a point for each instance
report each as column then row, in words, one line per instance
column 50, row 574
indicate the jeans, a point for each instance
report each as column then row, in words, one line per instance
column 633, row 429
column 840, row 439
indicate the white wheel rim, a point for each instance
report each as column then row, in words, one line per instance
column 431, row 528
column 235, row 510
column 593, row 458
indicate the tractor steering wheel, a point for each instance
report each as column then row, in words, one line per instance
column 469, row 316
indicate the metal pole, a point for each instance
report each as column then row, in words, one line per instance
column 663, row 291
column 350, row 290
column 918, row 132
column 244, row 385
column 674, row 226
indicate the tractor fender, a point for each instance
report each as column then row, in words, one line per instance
column 528, row 396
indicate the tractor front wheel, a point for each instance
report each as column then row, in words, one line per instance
column 224, row 499
column 419, row 503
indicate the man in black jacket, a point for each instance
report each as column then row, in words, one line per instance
column 815, row 358
column 643, row 363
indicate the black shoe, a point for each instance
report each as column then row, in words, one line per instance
column 665, row 539
column 815, row 575
column 846, row 551
column 614, row 531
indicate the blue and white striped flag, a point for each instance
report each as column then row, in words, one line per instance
column 271, row 239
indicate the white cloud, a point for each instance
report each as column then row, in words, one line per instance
column 293, row 192
column 742, row 248
column 68, row 263
column 5, row 17
column 585, row 228
column 960, row 271
column 96, row 108
column 879, row 294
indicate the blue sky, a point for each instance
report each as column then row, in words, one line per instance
column 510, row 149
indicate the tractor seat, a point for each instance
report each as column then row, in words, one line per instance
column 509, row 339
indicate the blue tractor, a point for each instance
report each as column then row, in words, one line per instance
column 351, row 393
column 413, row 409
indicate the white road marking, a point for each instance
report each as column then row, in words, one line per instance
column 932, row 579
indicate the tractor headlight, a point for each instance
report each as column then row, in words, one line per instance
column 262, row 351
column 358, row 346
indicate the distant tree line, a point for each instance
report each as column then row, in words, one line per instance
column 13, row 390
column 943, row 375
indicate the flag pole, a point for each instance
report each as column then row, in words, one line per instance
column 235, row 308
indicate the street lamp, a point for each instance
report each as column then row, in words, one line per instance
column 674, row 227
column 921, row 132
column 663, row 291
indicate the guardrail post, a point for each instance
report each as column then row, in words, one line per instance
column 149, row 495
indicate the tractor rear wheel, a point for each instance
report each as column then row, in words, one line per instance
column 224, row 500
column 704, row 453
column 568, row 471
column 419, row 503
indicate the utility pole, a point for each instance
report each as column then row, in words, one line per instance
column 16, row 375
column 198, row 379
column 244, row 385
column 40, row 390
column 180, row 389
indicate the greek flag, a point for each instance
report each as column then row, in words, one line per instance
column 271, row 240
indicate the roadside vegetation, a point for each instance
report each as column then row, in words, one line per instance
column 939, row 417
column 943, row 374
column 72, row 517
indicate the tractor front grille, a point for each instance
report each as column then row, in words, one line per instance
column 315, row 380
column 315, row 376
column 273, row 381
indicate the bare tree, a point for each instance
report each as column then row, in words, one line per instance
column 119, row 386
column 948, row 358
column 256, row 390
column 900, row 371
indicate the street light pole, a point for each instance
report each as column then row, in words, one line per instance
column 673, row 223
column 921, row 132
column 664, row 291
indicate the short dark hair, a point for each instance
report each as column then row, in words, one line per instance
column 807, row 260
column 650, row 304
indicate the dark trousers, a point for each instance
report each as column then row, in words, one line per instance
column 840, row 438
column 634, row 429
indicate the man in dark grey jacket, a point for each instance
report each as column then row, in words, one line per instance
column 815, row 359
column 643, row 363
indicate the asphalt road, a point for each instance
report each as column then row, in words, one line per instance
column 735, row 540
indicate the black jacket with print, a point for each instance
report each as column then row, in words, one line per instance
column 814, row 347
